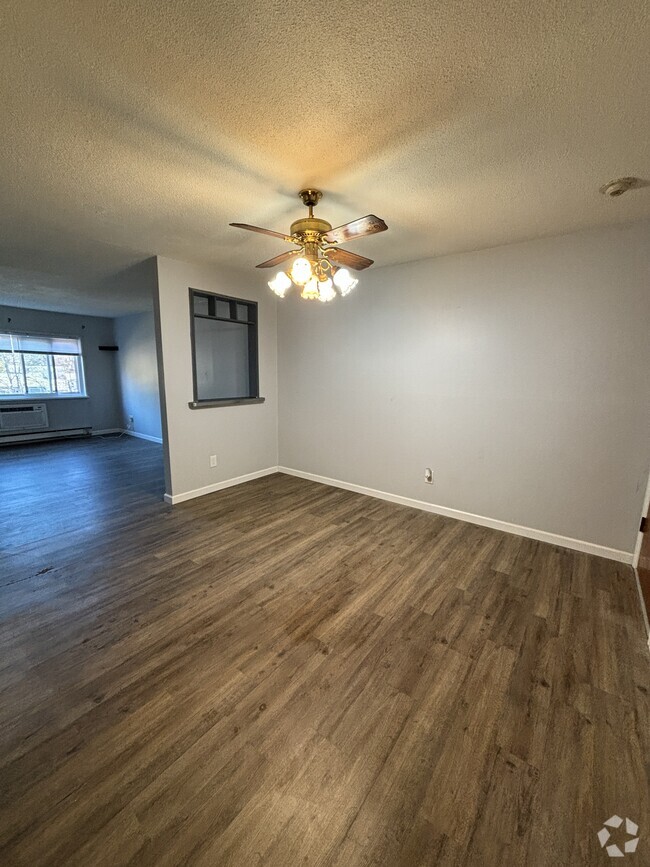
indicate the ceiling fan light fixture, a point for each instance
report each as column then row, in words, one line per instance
column 301, row 271
column 280, row 283
column 317, row 256
column 344, row 281
column 311, row 290
column 326, row 290
column 348, row 288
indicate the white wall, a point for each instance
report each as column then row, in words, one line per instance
column 244, row 438
column 519, row 374
column 138, row 373
column 101, row 409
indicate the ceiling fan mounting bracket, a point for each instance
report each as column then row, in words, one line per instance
column 310, row 198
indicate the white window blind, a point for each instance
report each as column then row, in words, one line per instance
column 36, row 364
column 40, row 343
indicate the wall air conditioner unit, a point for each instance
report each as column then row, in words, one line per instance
column 23, row 417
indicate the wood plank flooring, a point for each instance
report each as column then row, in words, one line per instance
column 284, row 673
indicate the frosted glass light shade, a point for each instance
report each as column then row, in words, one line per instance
column 280, row 284
column 326, row 290
column 301, row 271
column 311, row 290
column 344, row 281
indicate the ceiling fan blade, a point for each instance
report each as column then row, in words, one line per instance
column 278, row 260
column 348, row 259
column 356, row 229
column 264, row 231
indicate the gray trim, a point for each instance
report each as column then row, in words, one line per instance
column 227, row 401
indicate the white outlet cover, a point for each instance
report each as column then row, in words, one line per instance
column 213, row 460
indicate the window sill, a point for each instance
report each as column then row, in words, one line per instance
column 227, row 401
column 40, row 398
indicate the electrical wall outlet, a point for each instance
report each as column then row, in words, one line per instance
column 428, row 476
column 213, row 460
column 131, row 423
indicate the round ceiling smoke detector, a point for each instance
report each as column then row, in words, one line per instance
column 616, row 188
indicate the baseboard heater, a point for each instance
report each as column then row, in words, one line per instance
column 66, row 433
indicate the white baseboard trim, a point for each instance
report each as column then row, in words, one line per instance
column 132, row 433
column 172, row 499
column 141, row 436
column 493, row 523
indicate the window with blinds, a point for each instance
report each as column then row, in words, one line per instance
column 34, row 364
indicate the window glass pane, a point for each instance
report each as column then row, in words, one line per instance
column 67, row 374
column 37, row 374
column 223, row 309
column 26, row 373
column 201, row 305
column 242, row 312
column 11, row 374
column 221, row 359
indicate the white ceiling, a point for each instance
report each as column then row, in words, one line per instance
column 138, row 127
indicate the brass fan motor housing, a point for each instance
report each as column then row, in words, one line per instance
column 310, row 225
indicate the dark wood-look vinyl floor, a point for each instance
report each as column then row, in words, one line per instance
column 284, row 673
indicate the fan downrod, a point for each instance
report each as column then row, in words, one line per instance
column 310, row 228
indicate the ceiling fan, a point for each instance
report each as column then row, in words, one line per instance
column 318, row 265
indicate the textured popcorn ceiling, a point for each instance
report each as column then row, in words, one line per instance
column 137, row 127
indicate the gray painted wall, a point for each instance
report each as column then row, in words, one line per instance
column 138, row 373
column 244, row 438
column 101, row 409
column 519, row 374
